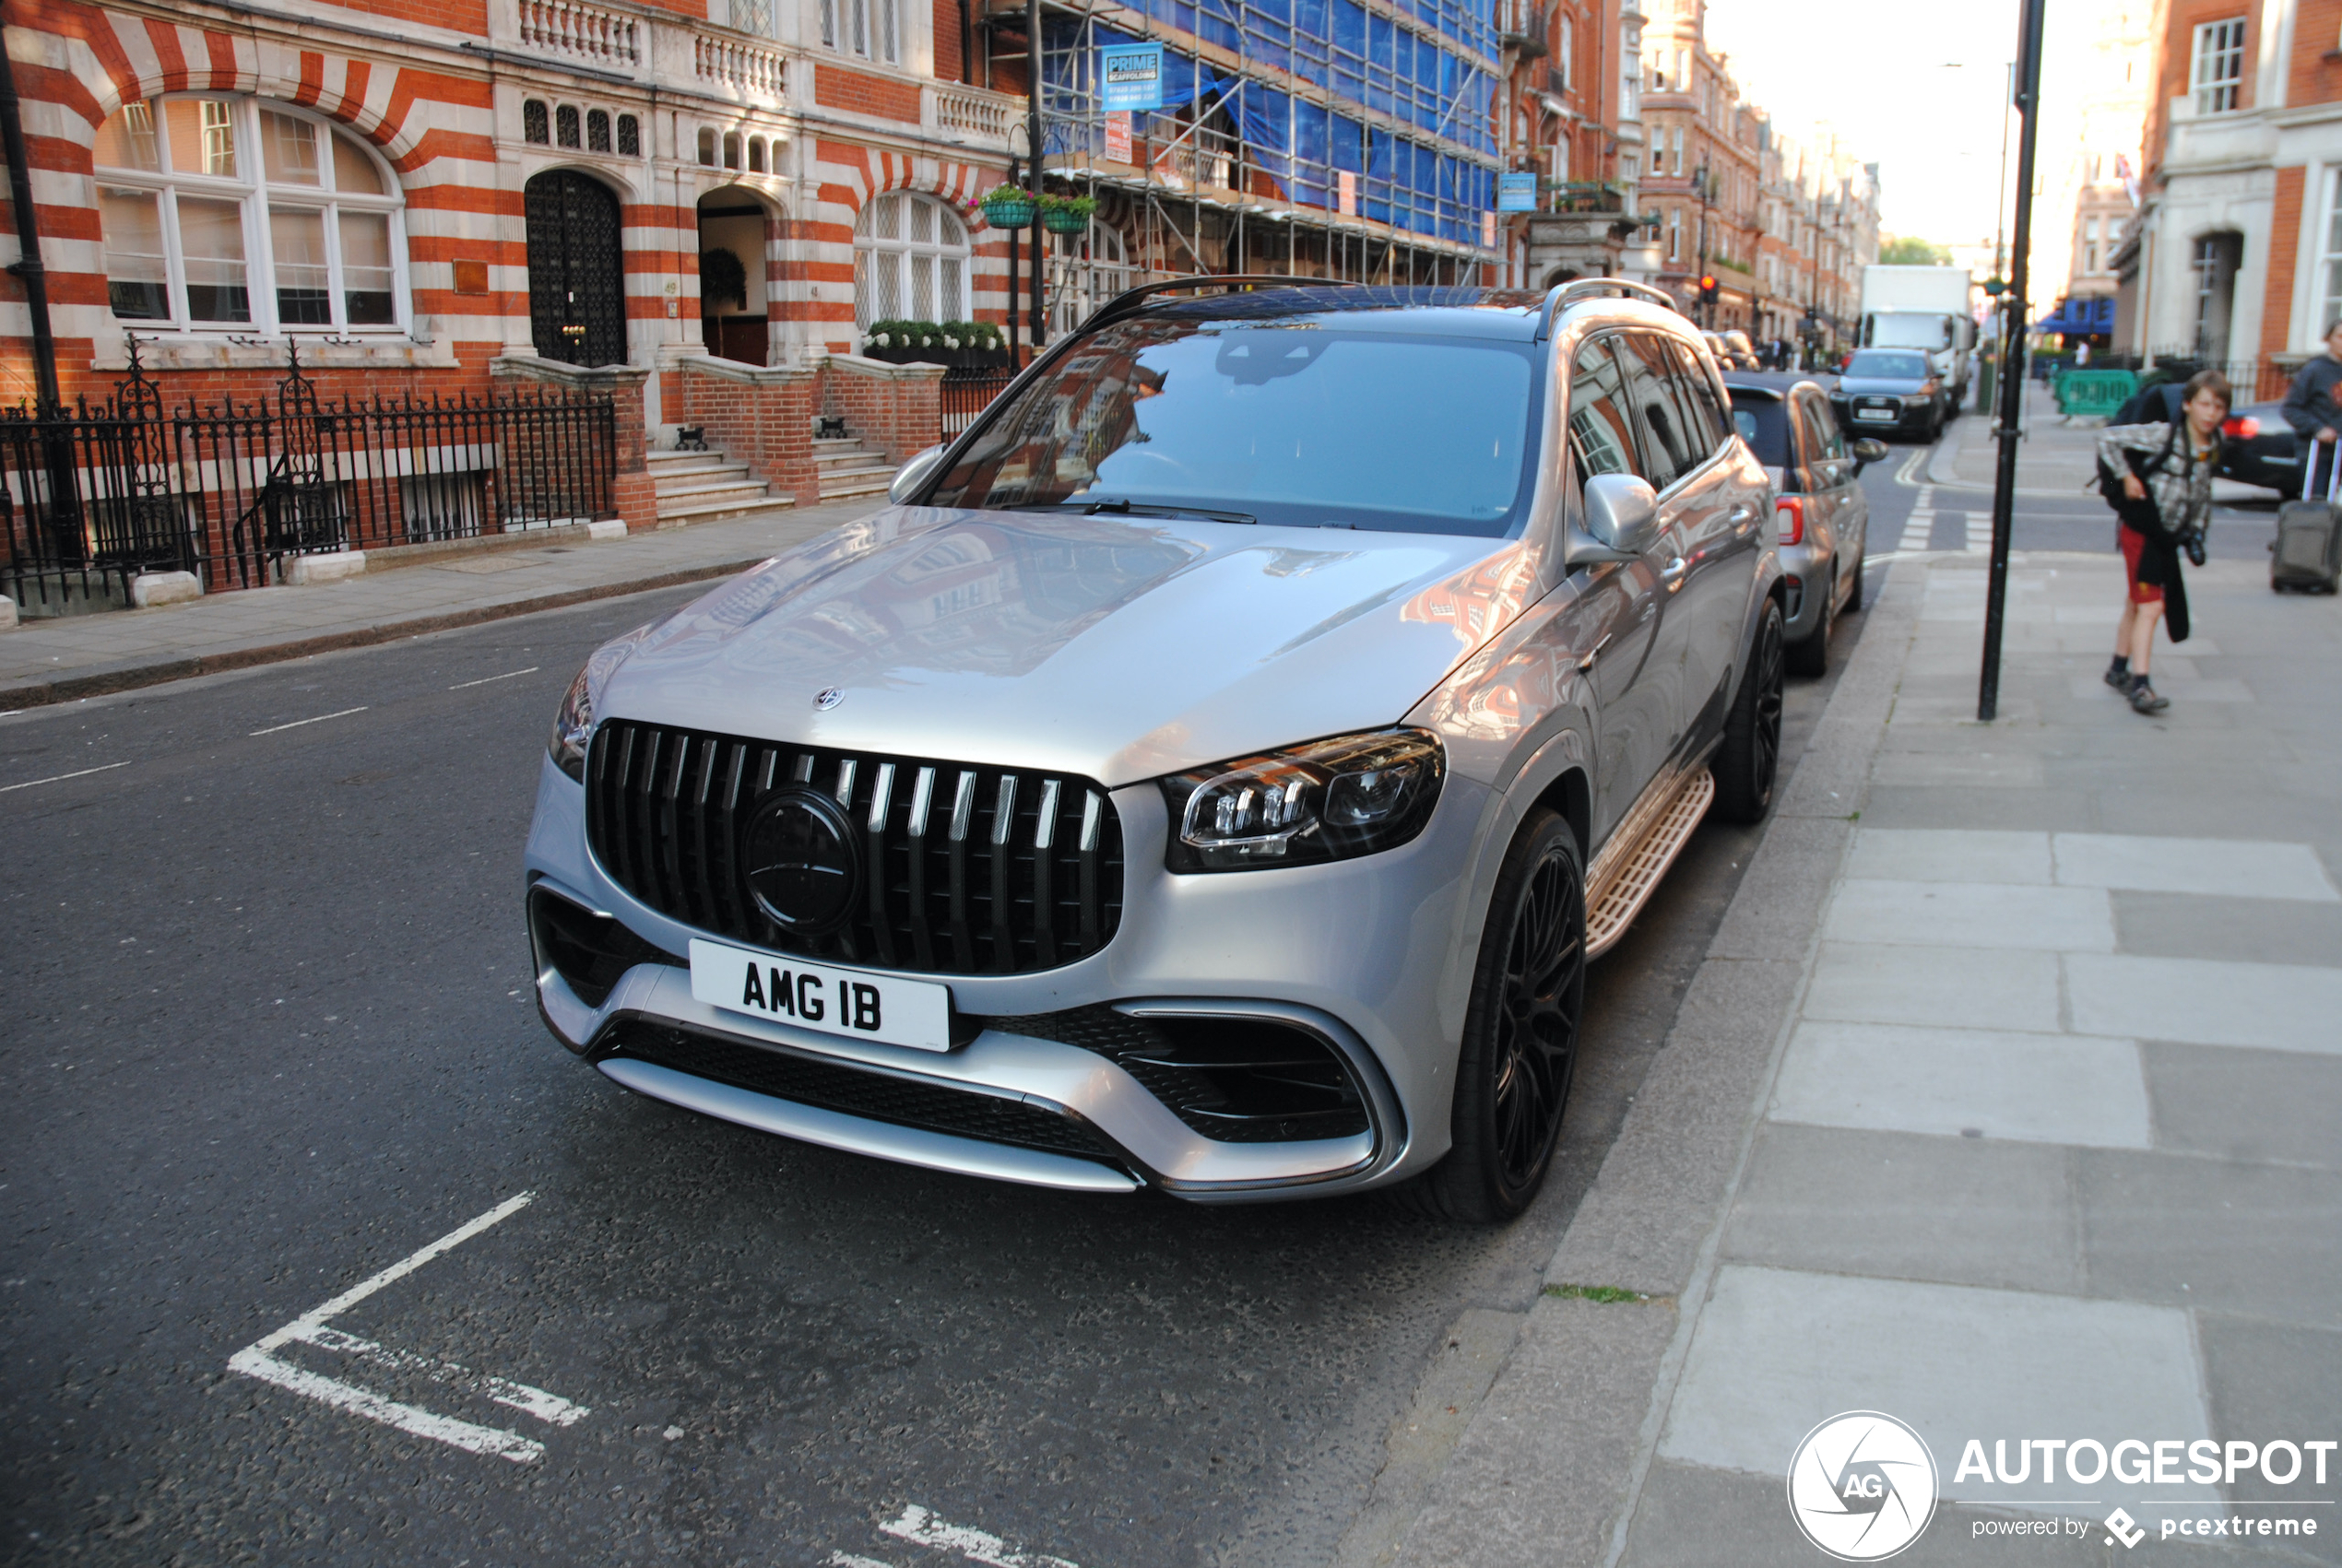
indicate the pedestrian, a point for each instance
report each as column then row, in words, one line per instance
column 2310, row 409
column 2164, row 501
column 2081, row 356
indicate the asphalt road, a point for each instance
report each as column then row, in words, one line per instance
column 268, row 1033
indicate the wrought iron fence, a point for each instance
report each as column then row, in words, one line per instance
column 93, row 496
column 967, row 391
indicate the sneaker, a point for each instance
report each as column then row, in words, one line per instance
column 2144, row 698
column 2119, row 678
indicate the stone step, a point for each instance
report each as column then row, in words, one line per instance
column 826, row 456
column 847, row 490
column 716, row 511
column 754, row 491
column 701, row 478
column 664, row 462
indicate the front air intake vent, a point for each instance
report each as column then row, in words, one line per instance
column 962, row 868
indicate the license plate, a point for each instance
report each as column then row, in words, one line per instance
column 1874, row 413
column 852, row 1002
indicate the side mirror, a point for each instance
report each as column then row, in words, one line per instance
column 1867, row 450
column 1622, row 512
column 912, row 475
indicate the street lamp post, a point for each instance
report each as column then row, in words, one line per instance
column 1699, row 185
column 2012, row 387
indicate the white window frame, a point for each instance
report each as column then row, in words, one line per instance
column 871, row 29
column 1565, row 53
column 2326, row 282
column 1079, row 283
column 253, row 193
column 878, row 255
column 2216, row 67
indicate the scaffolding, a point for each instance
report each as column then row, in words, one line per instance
column 1277, row 117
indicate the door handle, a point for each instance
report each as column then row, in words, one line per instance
column 1743, row 514
column 1594, row 652
column 1673, row 574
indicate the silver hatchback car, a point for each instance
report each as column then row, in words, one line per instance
column 1215, row 773
column 1823, row 515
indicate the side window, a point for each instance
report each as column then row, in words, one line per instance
column 1671, row 446
column 1602, row 434
column 1700, row 388
column 1822, row 430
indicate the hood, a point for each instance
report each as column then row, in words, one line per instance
column 1120, row 648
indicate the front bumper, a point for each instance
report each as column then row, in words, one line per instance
column 1362, row 955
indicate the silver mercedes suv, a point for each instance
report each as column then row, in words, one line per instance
column 1214, row 771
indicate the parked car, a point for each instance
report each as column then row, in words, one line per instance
column 1890, row 391
column 1822, row 515
column 1744, row 355
column 1727, row 357
column 1213, row 773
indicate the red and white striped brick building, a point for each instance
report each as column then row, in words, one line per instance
column 413, row 189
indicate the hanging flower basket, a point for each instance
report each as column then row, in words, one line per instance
column 1008, row 207
column 1066, row 214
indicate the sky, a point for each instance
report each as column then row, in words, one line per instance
column 1916, row 88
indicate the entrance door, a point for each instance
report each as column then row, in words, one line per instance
column 576, row 295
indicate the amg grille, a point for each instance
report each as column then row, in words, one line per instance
column 966, row 869
column 854, row 1092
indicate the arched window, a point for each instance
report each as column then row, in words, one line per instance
column 230, row 212
column 1085, row 271
column 910, row 260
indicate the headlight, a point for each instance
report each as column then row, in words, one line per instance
column 574, row 724
column 1305, row 805
column 1918, row 399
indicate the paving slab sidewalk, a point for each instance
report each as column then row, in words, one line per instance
column 85, row 655
column 2003, row 1104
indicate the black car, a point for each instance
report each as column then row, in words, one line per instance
column 1890, row 391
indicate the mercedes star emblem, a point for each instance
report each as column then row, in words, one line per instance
column 828, row 700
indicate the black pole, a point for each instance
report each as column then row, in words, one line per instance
column 28, row 268
column 1012, row 272
column 1035, row 149
column 2012, row 387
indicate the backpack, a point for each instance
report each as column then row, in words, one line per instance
column 2140, row 515
column 2149, row 404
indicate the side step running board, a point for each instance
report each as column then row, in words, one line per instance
column 1620, row 896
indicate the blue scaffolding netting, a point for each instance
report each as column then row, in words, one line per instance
column 1434, row 178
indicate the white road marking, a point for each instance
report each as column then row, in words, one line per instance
column 1922, row 521
column 257, row 1359
column 318, row 720
column 486, row 678
column 847, row 1559
column 60, row 778
column 921, row 1527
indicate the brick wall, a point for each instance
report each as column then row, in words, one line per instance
column 835, row 87
column 950, row 58
column 2285, row 240
column 2175, row 57
column 898, row 409
column 2315, row 73
column 632, row 493
column 762, row 418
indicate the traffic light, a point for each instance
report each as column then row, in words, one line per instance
column 1708, row 289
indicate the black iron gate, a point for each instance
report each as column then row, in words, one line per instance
column 577, row 285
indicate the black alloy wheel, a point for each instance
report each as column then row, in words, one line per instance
column 1749, row 759
column 1809, row 656
column 1519, row 1051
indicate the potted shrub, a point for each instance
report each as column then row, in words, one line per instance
column 1008, row 207
column 1066, row 215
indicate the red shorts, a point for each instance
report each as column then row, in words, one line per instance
column 2133, row 543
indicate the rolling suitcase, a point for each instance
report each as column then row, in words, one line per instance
column 2306, row 555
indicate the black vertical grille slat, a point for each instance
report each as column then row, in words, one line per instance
column 1013, row 873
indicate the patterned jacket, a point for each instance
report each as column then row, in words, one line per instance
column 2183, row 491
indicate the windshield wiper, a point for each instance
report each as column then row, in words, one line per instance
column 1131, row 509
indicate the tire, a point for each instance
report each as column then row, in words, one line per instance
column 1746, row 763
column 1519, row 1051
column 1854, row 588
column 1809, row 655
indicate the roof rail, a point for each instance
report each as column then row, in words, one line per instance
column 1565, row 295
column 1129, row 299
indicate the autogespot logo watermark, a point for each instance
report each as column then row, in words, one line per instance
column 1861, row 1486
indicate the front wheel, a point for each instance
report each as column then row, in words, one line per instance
column 1519, row 1049
column 1750, row 757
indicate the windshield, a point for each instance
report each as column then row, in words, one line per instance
column 1296, row 422
column 1890, row 367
